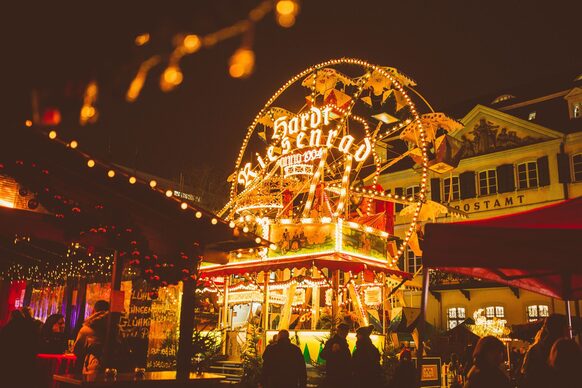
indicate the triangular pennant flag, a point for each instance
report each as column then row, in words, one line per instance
column 306, row 355
column 320, row 361
column 400, row 100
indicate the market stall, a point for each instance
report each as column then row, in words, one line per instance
column 76, row 230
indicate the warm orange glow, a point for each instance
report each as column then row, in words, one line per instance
column 91, row 163
column 110, row 173
column 184, row 205
column 169, row 193
column 73, row 144
column 142, row 39
column 192, row 43
column 52, row 135
column 153, row 183
column 28, row 123
column 171, row 78
column 286, row 7
column 132, row 180
column 5, row 203
column 242, row 63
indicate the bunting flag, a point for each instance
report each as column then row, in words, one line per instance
column 306, row 355
column 320, row 361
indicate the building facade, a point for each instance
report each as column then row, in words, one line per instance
column 517, row 154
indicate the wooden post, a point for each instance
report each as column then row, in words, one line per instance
column 383, row 306
column 224, row 318
column 184, row 356
column 68, row 305
column 422, row 320
column 334, row 299
column 315, row 301
column 113, row 318
column 265, row 320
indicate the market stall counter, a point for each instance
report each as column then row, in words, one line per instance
column 149, row 379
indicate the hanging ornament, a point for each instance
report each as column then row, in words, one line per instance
column 286, row 12
column 171, row 77
column 242, row 63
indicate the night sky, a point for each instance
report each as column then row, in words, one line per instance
column 455, row 50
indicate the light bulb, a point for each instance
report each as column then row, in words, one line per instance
column 242, row 63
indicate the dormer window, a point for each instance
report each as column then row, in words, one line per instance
column 574, row 99
column 531, row 116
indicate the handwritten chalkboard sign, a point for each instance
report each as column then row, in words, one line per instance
column 135, row 323
column 164, row 325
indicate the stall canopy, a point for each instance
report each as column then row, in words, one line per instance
column 332, row 262
column 537, row 250
column 77, row 202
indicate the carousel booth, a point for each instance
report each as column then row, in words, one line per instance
column 323, row 273
column 308, row 180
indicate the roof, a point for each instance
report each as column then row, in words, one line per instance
column 83, row 201
column 330, row 261
column 534, row 250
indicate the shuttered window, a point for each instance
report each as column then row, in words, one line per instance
column 577, row 167
column 451, row 189
column 527, row 175
column 487, row 182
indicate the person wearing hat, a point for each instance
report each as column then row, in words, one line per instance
column 336, row 354
column 366, row 360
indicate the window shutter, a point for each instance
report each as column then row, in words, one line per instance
column 543, row 171
column 435, row 189
column 400, row 192
column 564, row 173
column 505, row 178
column 467, row 185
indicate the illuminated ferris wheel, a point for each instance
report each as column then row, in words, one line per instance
column 318, row 146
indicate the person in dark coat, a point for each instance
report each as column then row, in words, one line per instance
column 487, row 361
column 283, row 365
column 336, row 354
column 52, row 334
column 87, row 333
column 536, row 371
column 19, row 345
column 366, row 360
column 405, row 373
column 565, row 361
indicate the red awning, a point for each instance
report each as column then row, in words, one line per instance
column 331, row 262
column 538, row 250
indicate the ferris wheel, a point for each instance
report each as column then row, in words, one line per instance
column 318, row 146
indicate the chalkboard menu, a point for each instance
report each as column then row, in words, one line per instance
column 164, row 329
column 135, row 323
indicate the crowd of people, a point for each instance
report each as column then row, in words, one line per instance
column 24, row 337
column 551, row 361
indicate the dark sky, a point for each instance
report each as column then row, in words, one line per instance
column 455, row 50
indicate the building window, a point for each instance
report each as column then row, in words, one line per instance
column 488, row 182
column 531, row 116
column 412, row 191
column 413, row 262
column 527, row 175
column 451, row 189
column 455, row 315
column 494, row 312
column 537, row 311
column 577, row 167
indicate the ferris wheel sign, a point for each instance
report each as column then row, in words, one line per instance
column 302, row 139
column 315, row 151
